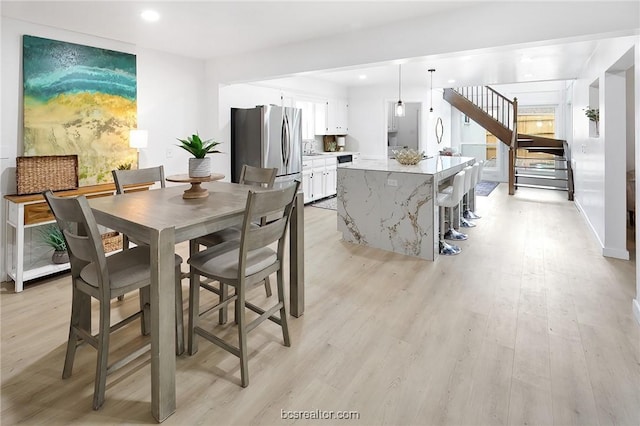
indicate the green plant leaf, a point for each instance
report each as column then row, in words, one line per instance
column 53, row 237
column 197, row 147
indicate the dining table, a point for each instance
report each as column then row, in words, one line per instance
column 162, row 218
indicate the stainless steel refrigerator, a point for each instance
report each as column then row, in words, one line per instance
column 267, row 136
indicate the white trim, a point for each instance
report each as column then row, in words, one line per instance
column 608, row 252
column 636, row 310
column 615, row 253
column 586, row 218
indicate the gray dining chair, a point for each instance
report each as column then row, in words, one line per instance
column 123, row 178
column 249, row 175
column 104, row 278
column 244, row 264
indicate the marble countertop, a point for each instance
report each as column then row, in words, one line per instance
column 429, row 166
column 328, row 154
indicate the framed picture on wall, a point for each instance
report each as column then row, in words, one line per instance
column 79, row 100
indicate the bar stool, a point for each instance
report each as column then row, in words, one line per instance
column 468, row 185
column 469, row 212
column 450, row 199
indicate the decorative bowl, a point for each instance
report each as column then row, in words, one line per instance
column 408, row 156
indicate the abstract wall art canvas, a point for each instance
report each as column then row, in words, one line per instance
column 79, row 100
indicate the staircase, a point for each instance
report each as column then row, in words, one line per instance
column 534, row 161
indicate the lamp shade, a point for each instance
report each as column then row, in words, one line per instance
column 138, row 138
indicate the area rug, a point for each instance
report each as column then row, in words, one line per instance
column 327, row 203
column 484, row 187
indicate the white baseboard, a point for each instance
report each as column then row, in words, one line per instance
column 576, row 202
column 616, row 253
column 636, row 309
column 606, row 251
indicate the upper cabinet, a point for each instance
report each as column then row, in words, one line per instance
column 308, row 118
column 332, row 117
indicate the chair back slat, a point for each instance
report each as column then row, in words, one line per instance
column 258, row 176
column 84, row 243
column 475, row 173
column 266, row 234
column 458, row 185
column 79, row 245
column 468, row 176
column 123, row 178
column 260, row 204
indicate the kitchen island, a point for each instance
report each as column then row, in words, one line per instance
column 387, row 205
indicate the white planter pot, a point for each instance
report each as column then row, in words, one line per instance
column 199, row 167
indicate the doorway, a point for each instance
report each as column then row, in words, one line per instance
column 403, row 132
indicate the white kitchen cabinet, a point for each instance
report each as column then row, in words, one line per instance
column 306, row 185
column 317, row 183
column 319, row 178
column 332, row 117
column 331, row 177
column 320, row 112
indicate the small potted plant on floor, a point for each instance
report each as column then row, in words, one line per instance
column 200, row 165
column 52, row 236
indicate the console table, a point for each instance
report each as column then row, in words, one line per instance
column 26, row 212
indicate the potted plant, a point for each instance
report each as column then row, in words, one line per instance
column 594, row 115
column 52, row 236
column 200, row 165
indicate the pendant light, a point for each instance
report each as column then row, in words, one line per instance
column 399, row 110
column 431, row 71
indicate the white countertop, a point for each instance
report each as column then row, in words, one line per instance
column 428, row 166
column 324, row 154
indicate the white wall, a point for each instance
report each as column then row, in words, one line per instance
column 599, row 162
column 631, row 118
column 171, row 101
column 368, row 118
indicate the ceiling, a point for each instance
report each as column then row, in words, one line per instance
column 210, row 29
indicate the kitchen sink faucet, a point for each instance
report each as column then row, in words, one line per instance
column 307, row 147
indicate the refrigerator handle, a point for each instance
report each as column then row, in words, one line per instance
column 285, row 138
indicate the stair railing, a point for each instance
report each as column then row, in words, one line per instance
column 500, row 108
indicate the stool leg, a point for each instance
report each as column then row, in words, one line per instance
column 445, row 248
column 451, row 233
column 469, row 213
column 465, row 207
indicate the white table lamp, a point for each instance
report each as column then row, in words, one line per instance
column 138, row 139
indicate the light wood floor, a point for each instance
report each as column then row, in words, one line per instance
column 528, row 325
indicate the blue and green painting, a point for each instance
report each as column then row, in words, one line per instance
column 79, row 100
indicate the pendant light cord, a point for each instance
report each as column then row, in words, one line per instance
column 431, row 71
column 399, row 82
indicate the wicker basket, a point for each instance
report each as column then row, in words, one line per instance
column 54, row 172
column 111, row 241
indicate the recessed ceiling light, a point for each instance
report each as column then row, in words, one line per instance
column 362, row 77
column 150, row 15
column 451, row 80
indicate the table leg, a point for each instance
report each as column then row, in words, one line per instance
column 296, row 256
column 163, row 358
